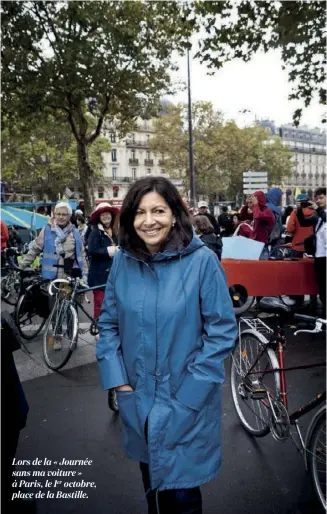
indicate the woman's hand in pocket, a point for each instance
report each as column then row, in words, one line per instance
column 121, row 389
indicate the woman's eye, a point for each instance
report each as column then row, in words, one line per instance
column 160, row 211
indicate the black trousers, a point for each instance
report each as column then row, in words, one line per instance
column 173, row 501
column 320, row 270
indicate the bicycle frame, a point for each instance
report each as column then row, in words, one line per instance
column 277, row 341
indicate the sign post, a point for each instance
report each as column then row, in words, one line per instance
column 254, row 181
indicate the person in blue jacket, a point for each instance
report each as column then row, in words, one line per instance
column 166, row 326
column 102, row 246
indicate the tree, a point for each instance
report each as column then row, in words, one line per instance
column 297, row 28
column 40, row 153
column 111, row 58
column 222, row 150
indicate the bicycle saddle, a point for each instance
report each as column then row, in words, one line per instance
column 273, row 304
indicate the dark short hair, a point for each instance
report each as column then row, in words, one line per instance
column 320, row 191
column 237, row 215
column 80, row 218
column 202, row 224
column 181, row 233
column 224, row 208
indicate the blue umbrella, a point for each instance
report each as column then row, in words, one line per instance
column 22, row 218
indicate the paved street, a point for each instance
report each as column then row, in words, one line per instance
column 69, row 418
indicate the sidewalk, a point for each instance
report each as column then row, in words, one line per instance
column 69, row 418
column 32, row 365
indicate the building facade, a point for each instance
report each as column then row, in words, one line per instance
column 308, row 147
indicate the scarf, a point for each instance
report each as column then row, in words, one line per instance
column 61, row 236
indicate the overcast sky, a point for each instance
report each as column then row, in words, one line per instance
column 260, row 86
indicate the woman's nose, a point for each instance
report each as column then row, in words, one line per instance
column 149, row 218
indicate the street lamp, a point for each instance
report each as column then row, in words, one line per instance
column 190, row 136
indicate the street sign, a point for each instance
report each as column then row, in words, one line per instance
column 254, row 181
column 251, row 191
column 255, row 174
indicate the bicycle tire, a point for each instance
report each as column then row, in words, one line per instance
column 316, row 457
column 112, row 400
column 19, row 313
column 242, row 302
column 8, row 298
column 247, row 349
column 63, row 312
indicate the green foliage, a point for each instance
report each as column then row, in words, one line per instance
column 112, row 57
column 297, row 28
column 40, row 153
column 222, row 150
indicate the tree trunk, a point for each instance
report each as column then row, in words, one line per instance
column 86, row 176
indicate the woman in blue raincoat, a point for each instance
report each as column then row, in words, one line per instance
column 166, row 327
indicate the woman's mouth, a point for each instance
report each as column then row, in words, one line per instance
column 151, row 233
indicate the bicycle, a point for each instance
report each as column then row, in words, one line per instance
column 61, row 333
column 259, row 390
column 29, row 297
column 10, row 280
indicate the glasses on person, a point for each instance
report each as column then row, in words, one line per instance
column 58, row 214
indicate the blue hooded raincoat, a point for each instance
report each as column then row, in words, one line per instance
column 166, row 327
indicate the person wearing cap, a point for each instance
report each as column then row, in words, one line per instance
column 294, row 228
column 204, row 211
column 102, row 246
column 61, row 244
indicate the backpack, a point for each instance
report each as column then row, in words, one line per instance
column 276, row 232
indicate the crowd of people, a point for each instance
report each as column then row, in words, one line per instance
column 165, row 358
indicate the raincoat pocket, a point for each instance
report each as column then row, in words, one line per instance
column 185, row 427
column 132, row 431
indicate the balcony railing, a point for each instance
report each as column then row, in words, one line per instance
column 148, row 162
column 117, row 179
column 131, row 143
column 133, row 162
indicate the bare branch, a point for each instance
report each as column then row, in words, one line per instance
column 70, row 118
column 97, row 131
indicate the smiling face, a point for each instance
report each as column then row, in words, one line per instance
column 153, row 221
column 106, row 218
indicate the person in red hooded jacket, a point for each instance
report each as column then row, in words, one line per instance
column 263, row 217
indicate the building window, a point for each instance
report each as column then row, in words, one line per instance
column 113, row 137
column 100, row 192
column 133, row 155
column 148, row 171
column 133, row 173
column 148, row 138
column 114, row 155
column 133, row 138
column 148, row 156
column 114, row 173
column 115, row 193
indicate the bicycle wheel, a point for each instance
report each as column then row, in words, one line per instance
column 28, row 321
column 10, row 287
column 250, row 391
column 316, row 455
column 60, row 335
column 242, row 302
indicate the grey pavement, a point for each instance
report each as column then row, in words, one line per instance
column 31, row 365
column 69, row 418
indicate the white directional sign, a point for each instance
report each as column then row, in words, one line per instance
column 254, row 181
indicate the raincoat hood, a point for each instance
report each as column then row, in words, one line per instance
column 274, row 197
column 261, row 198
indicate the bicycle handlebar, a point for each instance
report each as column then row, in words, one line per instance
column 319, row 322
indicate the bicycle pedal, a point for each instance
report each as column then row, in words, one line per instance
column 259, row 394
